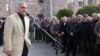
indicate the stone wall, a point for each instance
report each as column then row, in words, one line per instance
column 2, row 8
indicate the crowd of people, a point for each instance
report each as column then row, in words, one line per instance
column 77, row 33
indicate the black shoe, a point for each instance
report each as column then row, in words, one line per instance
column 52, row 45
column 62, row 52
column 1, row 44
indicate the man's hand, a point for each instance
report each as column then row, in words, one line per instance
column 8, row 53
column 62, row 33
column 71, row 34
column 98, row 35
column 59, row 35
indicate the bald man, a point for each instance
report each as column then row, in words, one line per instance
column 16, row 32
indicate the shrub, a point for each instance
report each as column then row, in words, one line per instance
column 88, row 10
column 64, row 12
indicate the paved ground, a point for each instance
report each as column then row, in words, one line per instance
column 38, row 49
column 1, row 51
column 42, row 49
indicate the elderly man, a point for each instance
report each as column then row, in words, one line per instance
column 97, row 32
column 16, row 40
column 93, row 36
column 72, row 30
column 62, row 30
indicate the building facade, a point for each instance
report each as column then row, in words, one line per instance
column 37, row 8
column 8, row 7
column 43, row 8
column 94, row 2
column 76, row 4
column 2, row 8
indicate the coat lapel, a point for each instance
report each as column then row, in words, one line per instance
column 26, row 23
column 25, row 19
column 19, row 21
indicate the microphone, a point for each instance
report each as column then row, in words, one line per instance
column 32, row 21
column 29, row 16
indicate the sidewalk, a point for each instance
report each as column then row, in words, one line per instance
column 1, row 51
column 38, row 49
column 42, row 49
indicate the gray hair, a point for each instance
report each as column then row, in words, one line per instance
column 20, row 3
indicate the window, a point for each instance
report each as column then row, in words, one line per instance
column 41, row 1
column 40, row 16
column 81, row 3
column 8, row 7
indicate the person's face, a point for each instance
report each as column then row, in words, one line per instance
column 65, row 20
column 85, row 19
column 22, row 9
column 90, row 19
column 98, row 17
column 95, row 17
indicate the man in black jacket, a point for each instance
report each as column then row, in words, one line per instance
column 93, row 20
column 72, row 29
column 63, row 33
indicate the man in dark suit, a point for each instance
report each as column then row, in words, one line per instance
column 97, row 32
column 63, row 33
column 93, row 36
column 72, row 29
column 85, row 37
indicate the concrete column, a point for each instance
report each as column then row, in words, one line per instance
column 85, row 2
column 97, row 2
column 51, row 9
column 75, row 5
column 3, row 8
